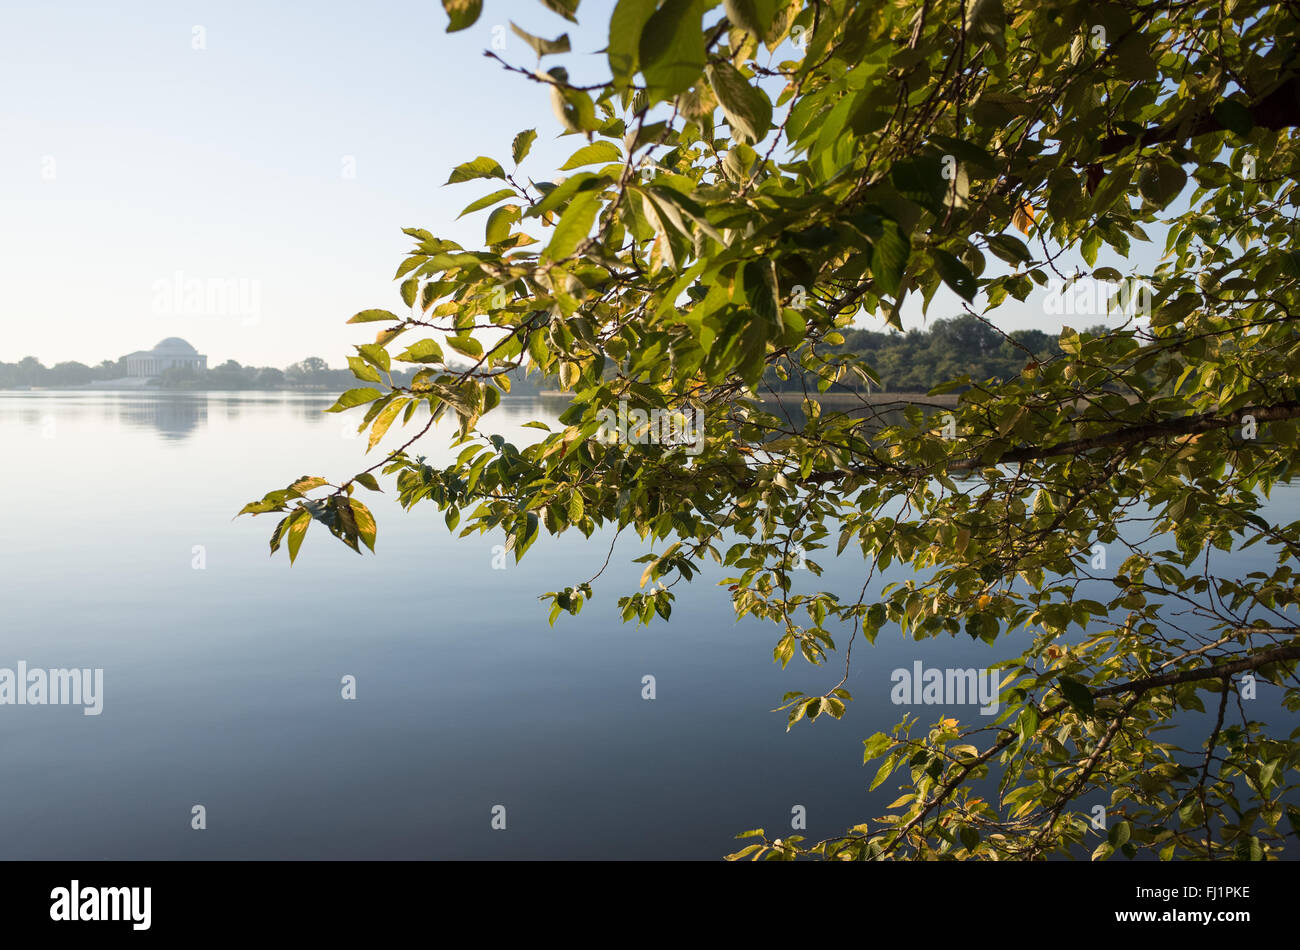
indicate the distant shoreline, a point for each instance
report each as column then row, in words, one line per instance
column 829, row 399
column 123, row 388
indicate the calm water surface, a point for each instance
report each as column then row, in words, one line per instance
column 222, row 684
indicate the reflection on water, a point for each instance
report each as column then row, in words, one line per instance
column 175, row 416
column 222, row 667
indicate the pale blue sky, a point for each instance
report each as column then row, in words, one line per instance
column 128, row 157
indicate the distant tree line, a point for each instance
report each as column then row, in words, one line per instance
column 29, row 371
column 915, row 361
column 919, row 360
column 311, row 373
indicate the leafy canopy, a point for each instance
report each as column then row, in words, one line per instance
column 754, row 174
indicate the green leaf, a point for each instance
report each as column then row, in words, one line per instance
column 676, row 205
column 1266, row 772
column 278, row 534
column 1248, row 849
column 625, row 26
column 363, row 370
column 1010, row 248
column 365, row 521
column 499, row 195
column 1089, row 246
column 354, row 397
column 307, row 483
column 481, row 167
column 761, row 291
column 466, row 346
column 671, row 49
column 573, row 227
column 526, row 532
column 410, row 289
column 425, row 351
column 384, row 420
column 344, row 526
column 541, row 46
column 753, row 16
column 298, row 524
column 1234, row 117
column 462, row 14
column 920, row 180
column 597, row 152
column 1132, row 59
column 877, row 745
column 369, row 481
column 375, row 355
column 954, row 273
column 890, row 249
column 1077, row 695
column 882, row 773
column 1119, row 834
column 746, row 105
column 1115, row 188
column 519, row 149
column 499, row 222
column 987, row 20
column 565, row 8
column 562, row 193
column 371, row 316
column 573, row 107
column 1159, row 182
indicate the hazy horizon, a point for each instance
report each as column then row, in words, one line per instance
column 263, row 150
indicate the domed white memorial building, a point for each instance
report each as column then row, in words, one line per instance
column 169, row 353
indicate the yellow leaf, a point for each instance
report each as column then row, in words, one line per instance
column 365, row 522
column 383, row 421
column 298, row 523
column 1023, row 216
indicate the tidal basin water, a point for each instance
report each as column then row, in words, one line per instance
column 222, row 666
